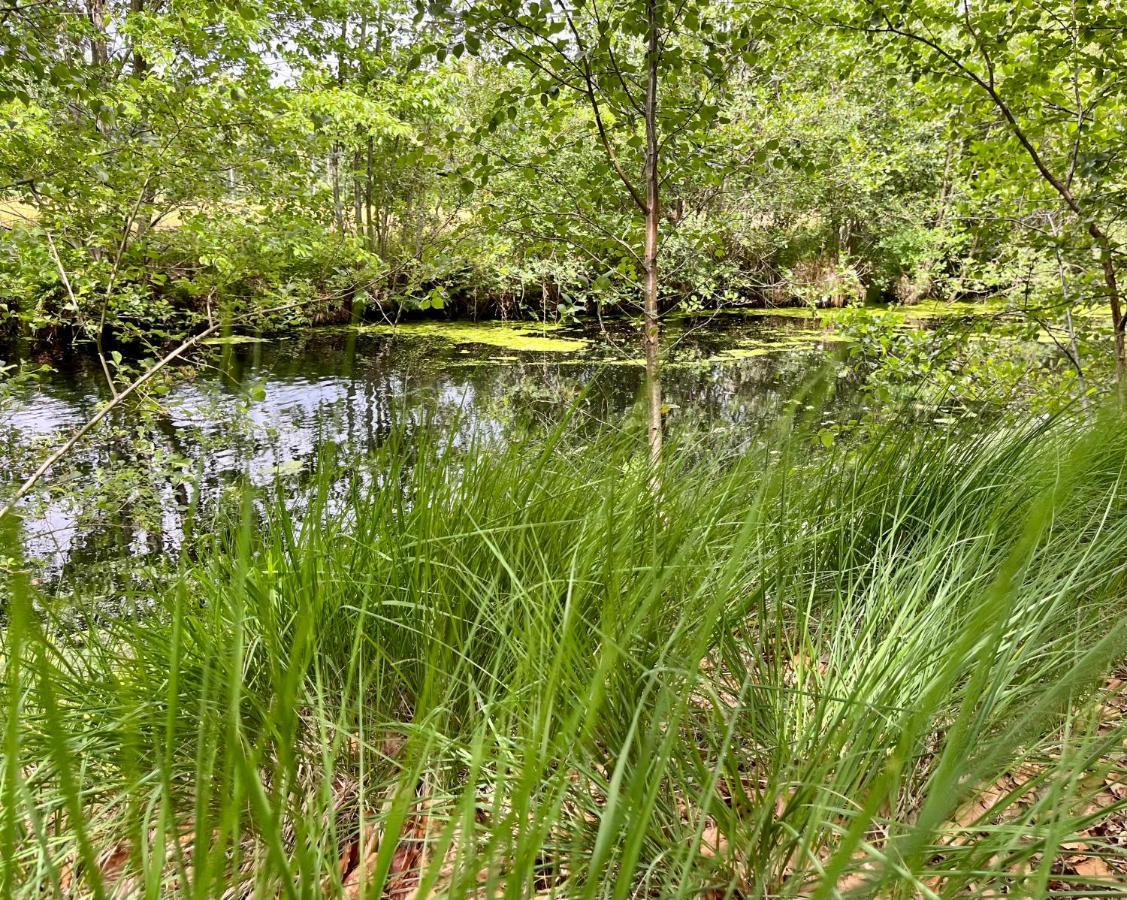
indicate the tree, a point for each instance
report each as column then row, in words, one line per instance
column 128, row 113
column 650, row 73
column 1053, row 73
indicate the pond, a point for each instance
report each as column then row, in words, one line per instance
column 256, row 409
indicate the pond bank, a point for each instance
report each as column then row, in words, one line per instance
column 495, row 660
column 142, row 337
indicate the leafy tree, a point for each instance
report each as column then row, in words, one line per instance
column 649, row 72
column 1052, row 71
column 129, row 115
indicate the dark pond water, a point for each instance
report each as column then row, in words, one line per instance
column 257, row 410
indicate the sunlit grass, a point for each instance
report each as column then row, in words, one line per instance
column 519, row 671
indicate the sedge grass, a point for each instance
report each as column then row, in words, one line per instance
column 517, row 672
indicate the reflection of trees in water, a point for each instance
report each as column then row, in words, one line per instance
column 346, row 393
column 749, row 392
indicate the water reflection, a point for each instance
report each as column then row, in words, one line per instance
column 259, row 410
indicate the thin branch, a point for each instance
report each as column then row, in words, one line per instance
column 74, row 303
column 78, row 435
column 603, row 136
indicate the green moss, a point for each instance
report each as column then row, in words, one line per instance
column 517, row 337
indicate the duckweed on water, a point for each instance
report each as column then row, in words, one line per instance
column 925, row 309
column 939, row 309
column 527, row 337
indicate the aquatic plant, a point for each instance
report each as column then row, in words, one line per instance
column 521, row 336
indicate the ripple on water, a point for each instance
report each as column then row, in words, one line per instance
column 39, row 414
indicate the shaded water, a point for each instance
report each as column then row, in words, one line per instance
column 258, row 410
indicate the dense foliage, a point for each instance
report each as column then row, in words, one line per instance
column 284, row 161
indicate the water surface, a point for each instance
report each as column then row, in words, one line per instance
column 257, row 409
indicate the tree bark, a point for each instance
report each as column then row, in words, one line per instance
column 357, row 193
column 368, row 198
column 338, row 205
column 650, row 254
column 334, row 156
column 140, row 64
column 1119, row 323
column 99, row 48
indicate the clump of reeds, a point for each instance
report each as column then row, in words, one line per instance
column 523, row 672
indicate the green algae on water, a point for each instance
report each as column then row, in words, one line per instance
column 532, row 338
column 941, row 309
column 929, row 309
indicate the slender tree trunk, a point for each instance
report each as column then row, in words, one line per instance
column 650, row 256
column 140, row 64
column 382, row 209
column 1119, row 323
column 362, row 78
column 334, row 157
column 368, row 199
column 99, row 49
column 338, row 205
column 99, row 58
column 357, row 193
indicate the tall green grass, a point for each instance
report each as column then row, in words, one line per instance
column 517, row 671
